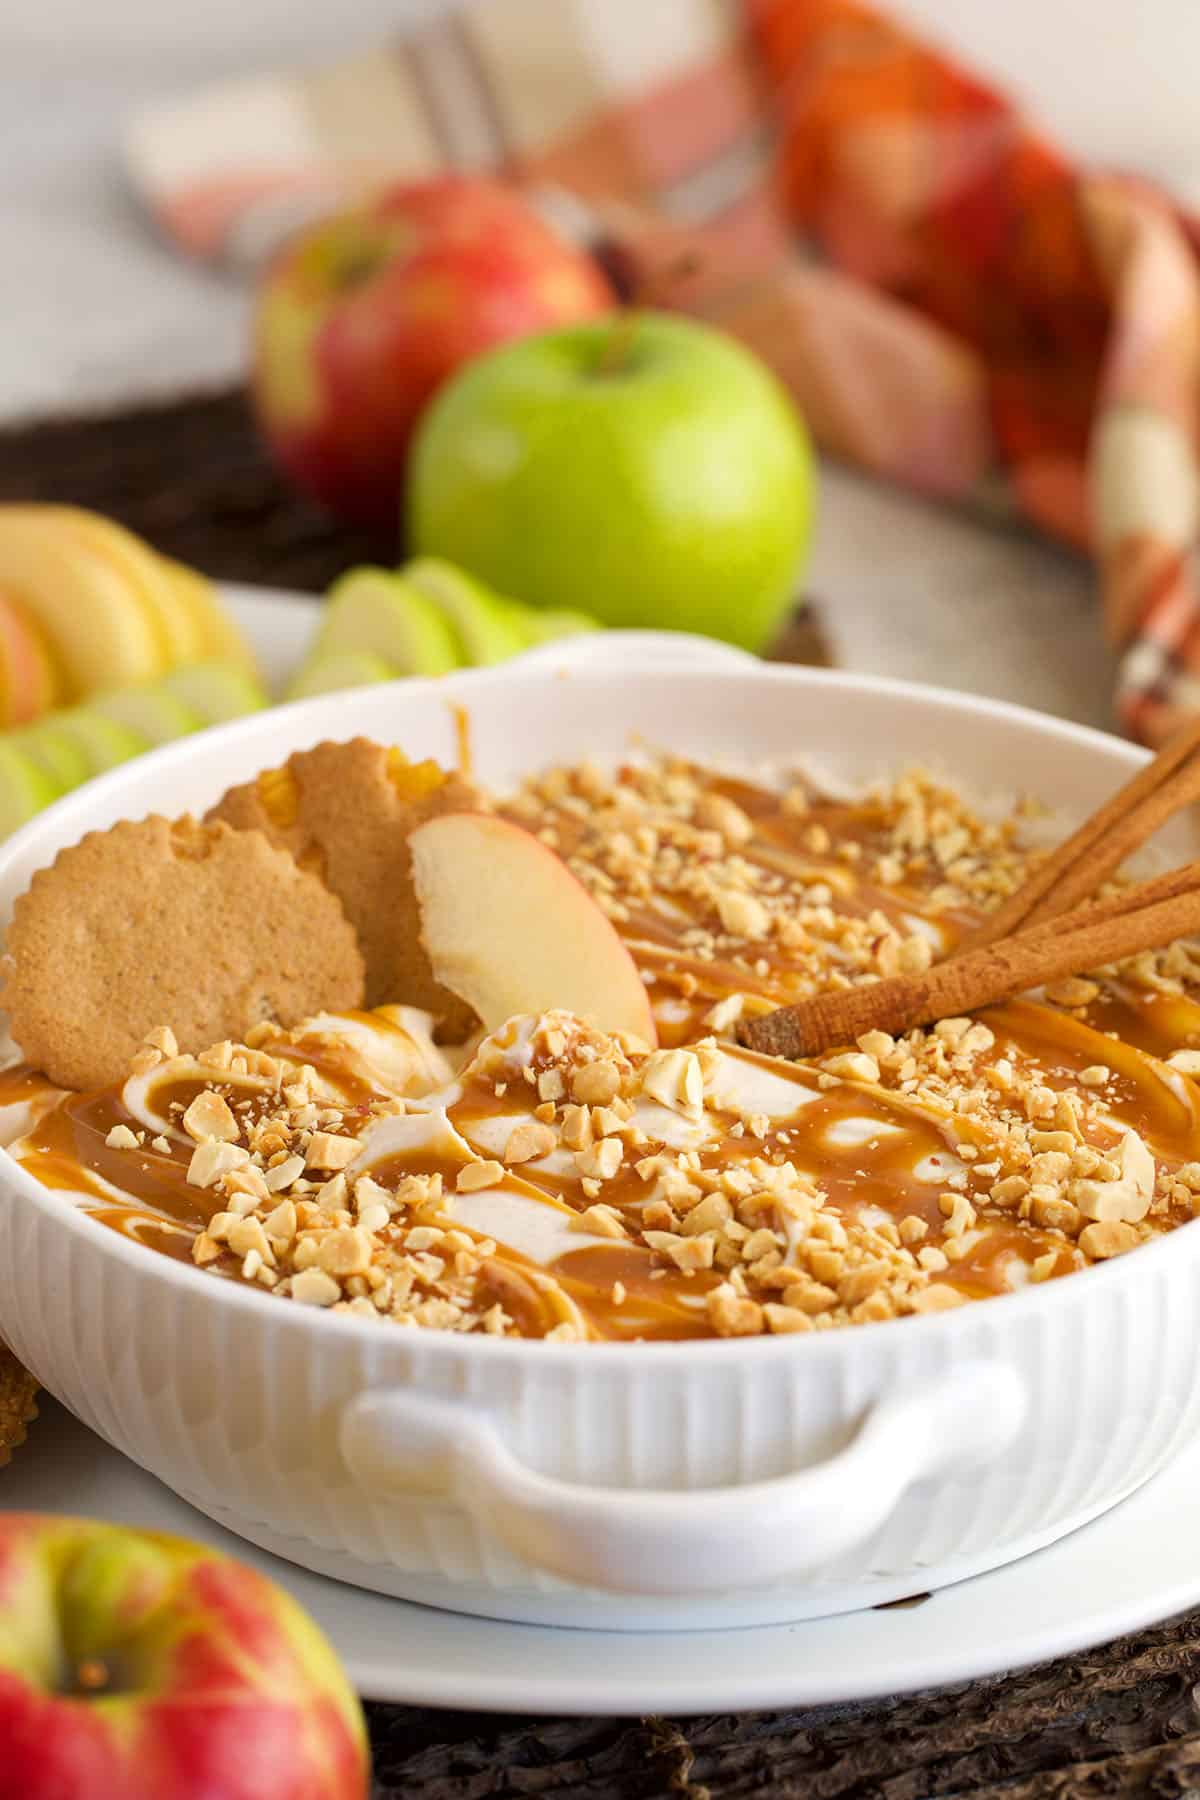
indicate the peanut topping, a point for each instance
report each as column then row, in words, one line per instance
column 1108, row 1238
column 209, row 1117
column 596, row 1083
column 528, row 1142
column 675, row 1079
column 326, row 1151
column 694, row 1189
column 313, row 1287
column 479, row 1175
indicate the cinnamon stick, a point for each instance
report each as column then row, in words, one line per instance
column 1144, row 917
column 1090, row 855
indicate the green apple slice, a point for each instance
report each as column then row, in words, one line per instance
column 214, row 692
column 24, row 787
column 382, row 613
column 102, row 742
column 542, row 625
column 344, row 669
column 56, row 753
column 155, row 714
column 481, row 620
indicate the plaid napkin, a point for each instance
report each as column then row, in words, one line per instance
column 954, row 305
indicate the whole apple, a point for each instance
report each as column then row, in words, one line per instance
column 135, row 1666
column 362, row 318
column 642, row 468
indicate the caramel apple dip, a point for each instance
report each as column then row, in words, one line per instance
column 602, row 1159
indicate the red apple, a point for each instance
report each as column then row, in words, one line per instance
column 135, row 1666
column 363, row 317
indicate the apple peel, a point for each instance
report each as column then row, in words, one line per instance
column 509, row 929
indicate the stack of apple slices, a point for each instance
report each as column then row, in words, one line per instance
column 425, row 619
column 106, row 648
column 85, row 605
column 42, row 761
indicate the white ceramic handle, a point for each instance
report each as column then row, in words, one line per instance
column 683, row 1541
column 632, row 650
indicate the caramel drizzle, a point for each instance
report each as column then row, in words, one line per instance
column 657, row 928
column 66, row 1147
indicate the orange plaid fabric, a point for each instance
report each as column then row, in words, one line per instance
column 954, row 304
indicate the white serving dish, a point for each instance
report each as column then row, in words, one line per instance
column 1137, row 1563
column 627, row 1486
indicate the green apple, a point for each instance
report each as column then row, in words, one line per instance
column 330, row 674
column 642, row 468
column 214, row 691
column 381, row 612
column 152, row 712
column 484, row 624
column 24, row 787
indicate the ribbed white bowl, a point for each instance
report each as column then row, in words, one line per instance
column 852, row 1467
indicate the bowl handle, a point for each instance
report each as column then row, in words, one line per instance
column 623, row 651
column 681, row 1541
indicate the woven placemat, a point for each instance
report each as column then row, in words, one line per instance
column 1123, row 1720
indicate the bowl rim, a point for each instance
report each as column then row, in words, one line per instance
column 142, row 1259
column 465, row 682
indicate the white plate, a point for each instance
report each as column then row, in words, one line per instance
column 279, row 625
column 1138, row 1564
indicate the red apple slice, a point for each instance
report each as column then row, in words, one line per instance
column 28, row 686
column 133, row 564
column 509, row 929
column 100, row 635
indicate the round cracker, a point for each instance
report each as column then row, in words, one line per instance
column 201, row 927
column 349, row 818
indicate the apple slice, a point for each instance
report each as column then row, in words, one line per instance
column 182, row 606
column 344, row 669
column 154, row 713
column 57, row 753
column 483, row 622
column 214, row 634
column 509, row 929
column 380, row 612
column 101, row 742
column 541, row 625
column 24, row 788
column 134, row 564
column 98, row 630
column 28, row 683
column 214, row 691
